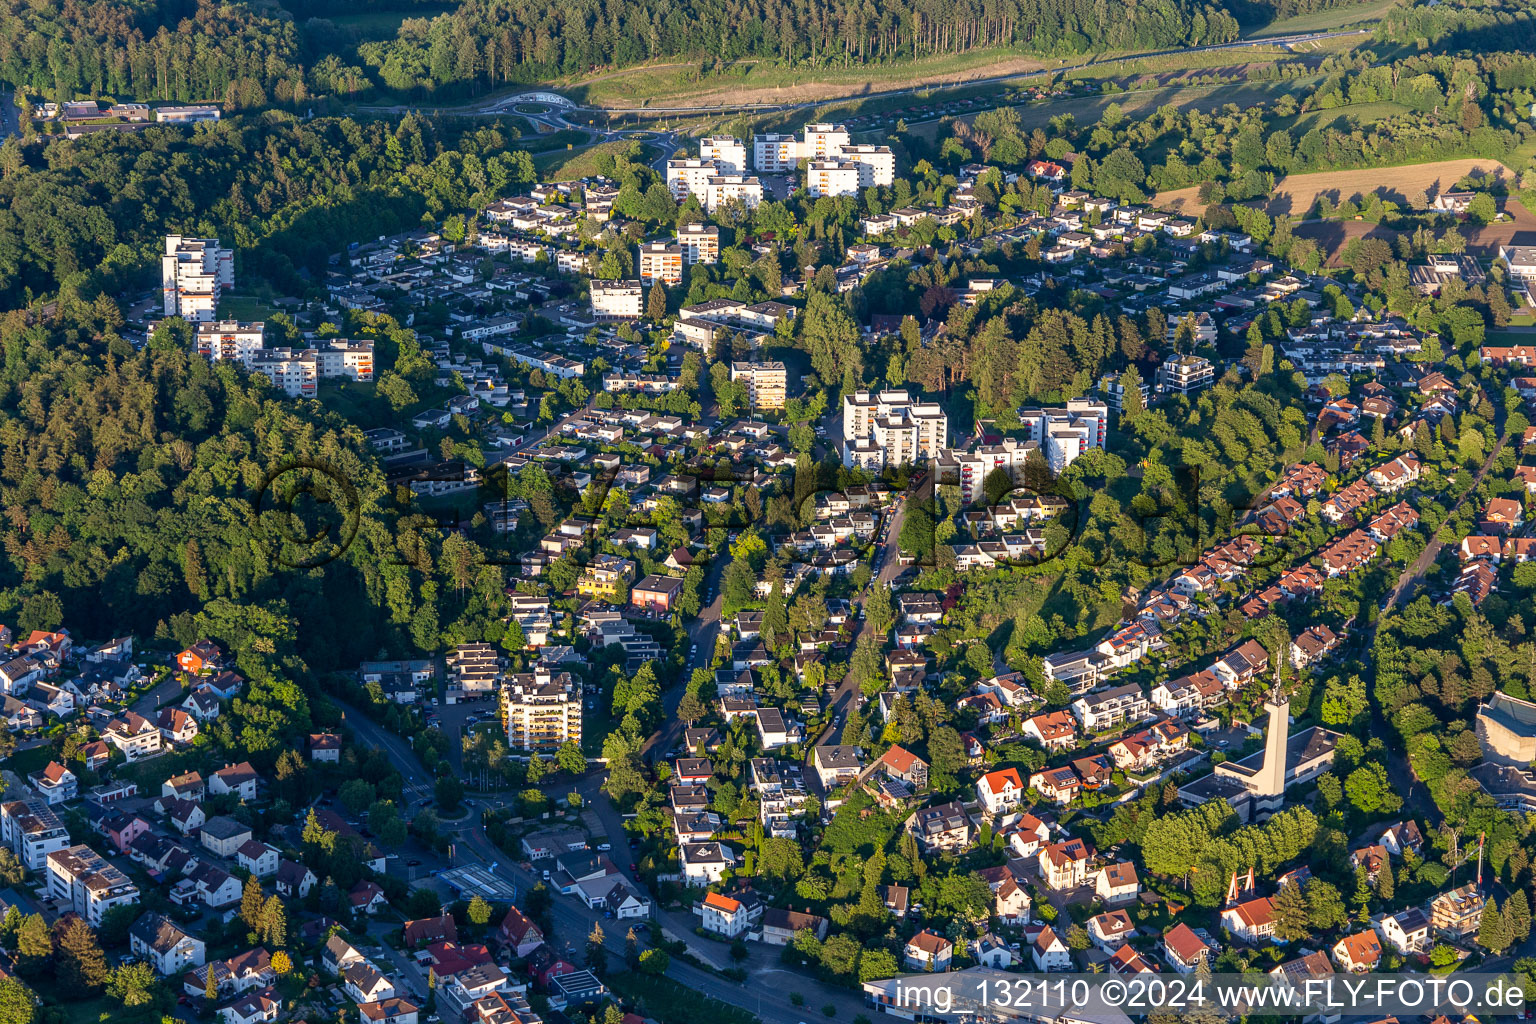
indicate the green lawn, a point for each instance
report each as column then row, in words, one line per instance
column 1088, row 109
column 245, row 307
column 572, row 164
column 25, row 762
column 1354, row 114
column 149, row 774
column 1326, row 21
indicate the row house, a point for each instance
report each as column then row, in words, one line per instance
column 1496, row 549
column 1477, row 580
column 1392, row 522
column 1346, row 502
column 1348, row 553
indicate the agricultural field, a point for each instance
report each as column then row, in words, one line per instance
column 1297, row 193
column 760, row 82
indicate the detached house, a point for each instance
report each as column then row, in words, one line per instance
column 55, row 783
column 1064, row 865
column 1000, row 791
column 941, row 827
column 1251, row 921
column 519, row 934
column 202, row 657
column 1395, row 475
column 134, row 735
column 928, row 951
column 176, row 726
column 162, row 943
column 1111, row 930
column 1053, row 730
column 1050, row 953
column 239, row 779
column 1183, row 949
column 1357, row 953
column 1116, row 883
column 1407, row 931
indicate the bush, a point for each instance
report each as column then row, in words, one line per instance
column 796, row 999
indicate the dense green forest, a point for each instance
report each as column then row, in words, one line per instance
column 249, row 56
column 152, row 50
column 303, row 190
column 496, row 41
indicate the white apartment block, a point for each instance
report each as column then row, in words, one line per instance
column 728, row 153
column 723, row 188
column 774, row 153
column 876, row 164
column 832, row 178
column 543, row 710
column 340, row 357
column 88, row 882
column 32, row 830
column 1064, row 434
column 767, row 383
column 192, row 273
column 228, row 340
column 701, row 243
column 296, row 374
column 618, row 299
column 824, row 140
column 660, row 261
column 686, row 177
column 970, row 469
column 890, row 429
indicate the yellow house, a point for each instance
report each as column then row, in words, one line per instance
column 607, row 577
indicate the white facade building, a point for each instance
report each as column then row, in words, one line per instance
column 618, row 299
column 193, row 271
column 889, row 428
column 691, row 176
column 228, row 340
column 725, row 187
column 1064, row 434
column 296, row 374
column 728, row 153
column 832, row 178
column 774, row 153
column 876, row 164
column 700, row 242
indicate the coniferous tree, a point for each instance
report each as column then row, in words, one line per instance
column 252, row 901
column 82, row 966
column 34, row 945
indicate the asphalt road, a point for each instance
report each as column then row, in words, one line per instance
column 417, row 782
column 702, row 633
